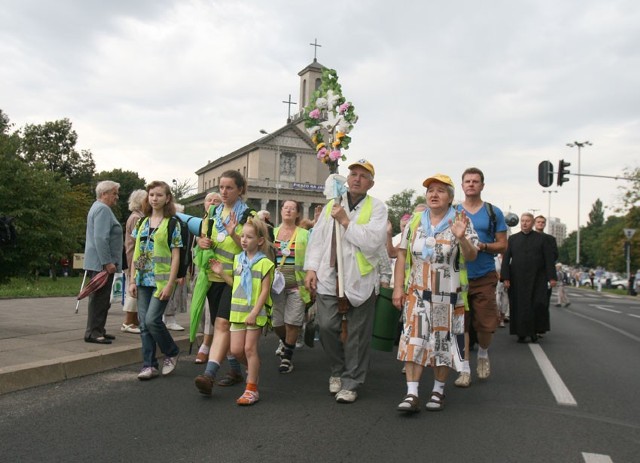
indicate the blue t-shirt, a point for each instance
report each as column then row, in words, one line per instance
column 485, row 262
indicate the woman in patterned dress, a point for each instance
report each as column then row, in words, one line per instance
column 427, row 287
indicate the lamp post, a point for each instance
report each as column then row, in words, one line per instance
column 549, row 207
column 277, row 177
column 579, row 145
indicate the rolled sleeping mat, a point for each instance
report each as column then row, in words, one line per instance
column 194, row 223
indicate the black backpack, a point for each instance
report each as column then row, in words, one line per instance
column 185, row 254
column 8, row 235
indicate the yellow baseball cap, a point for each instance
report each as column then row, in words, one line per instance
column 364, row 164
column 438, row 178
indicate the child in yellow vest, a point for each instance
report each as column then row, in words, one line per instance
column 250, row 301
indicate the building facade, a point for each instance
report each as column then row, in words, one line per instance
column 279, row 166
column 557, row 229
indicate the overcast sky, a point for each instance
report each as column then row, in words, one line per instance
column 162, row 86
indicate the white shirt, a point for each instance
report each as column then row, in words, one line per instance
column 369, row 238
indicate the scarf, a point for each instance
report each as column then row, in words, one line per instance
column 427, row 251
column 245, row 271
column 238, row 208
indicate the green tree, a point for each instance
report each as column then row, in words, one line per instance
column 129, row 181
column 52, row 146
column 398, row 205
column 596, row 216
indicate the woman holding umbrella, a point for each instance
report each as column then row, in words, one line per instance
column 156, row 258
column 102, row 252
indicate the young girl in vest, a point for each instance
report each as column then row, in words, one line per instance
column 220, row 239
column 250, row 301
column 156, row 258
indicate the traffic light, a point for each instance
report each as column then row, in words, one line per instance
column 545, row 174
column 563, row 172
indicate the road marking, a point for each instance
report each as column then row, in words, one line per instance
column 602, row 307
column 557, row 386
column 596, row 458
column 633, row 315
column 623, row 332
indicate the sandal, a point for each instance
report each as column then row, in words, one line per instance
column 201, row 357
column 410, row 404
column 436, row 402
column 248, row 398
column 230, row 379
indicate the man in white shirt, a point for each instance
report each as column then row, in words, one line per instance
column 363, row 222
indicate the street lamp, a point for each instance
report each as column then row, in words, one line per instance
column 580, row 145
column 549, row 209
column 277, row 177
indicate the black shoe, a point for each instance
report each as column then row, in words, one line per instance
column 100, row 340
column 521, row 339
column 108, row 336
column 567, row 304
column 534, row 339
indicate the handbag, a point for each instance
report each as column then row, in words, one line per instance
column 278, row 278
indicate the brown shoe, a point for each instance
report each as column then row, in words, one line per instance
column 230, row 379
column 201, row 357
column 204, row 384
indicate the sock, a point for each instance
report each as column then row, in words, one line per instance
column 412, row 387
column 483, row 353
column 288, row 351
column 252, row 387
column 204, row 348
column 234, row 364
column 212, row 369
column 465, row 367
column 438, row 386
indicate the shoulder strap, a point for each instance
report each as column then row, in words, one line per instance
column 172, row 226
column 493, row 221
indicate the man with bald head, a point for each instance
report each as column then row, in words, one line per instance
column 527, row 271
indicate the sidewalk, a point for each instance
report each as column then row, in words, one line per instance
column 42, row 342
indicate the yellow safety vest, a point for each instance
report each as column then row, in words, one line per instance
column 464, row 277
column 240, row 306
column 301, row 239
column 161, row 257
column 364, row 217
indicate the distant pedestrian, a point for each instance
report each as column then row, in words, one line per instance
column 102, row 251
column 562, row 282
column 130, row 306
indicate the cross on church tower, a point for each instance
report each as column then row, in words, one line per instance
column 289, row 102
column 315, row 49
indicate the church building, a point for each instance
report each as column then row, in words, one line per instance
column 279, row 166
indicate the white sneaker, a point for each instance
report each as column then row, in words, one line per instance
column 484, row 368
column 346, row 397
column 335, row 385
column 148, row 373
column 280, row 349
column 174, row 327
column 169, row 365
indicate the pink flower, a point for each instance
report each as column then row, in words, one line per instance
column 335, row 155
column 315, row 114
column 322, row 152
column 343, row 107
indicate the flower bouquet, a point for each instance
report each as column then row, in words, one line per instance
column 328, row 119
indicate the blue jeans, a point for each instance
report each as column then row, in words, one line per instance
column 152, row 329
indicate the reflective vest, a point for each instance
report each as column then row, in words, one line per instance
column 240, row 307
column 302, row 237
column 364, row 217
column 161, row 258
column 224, row 252
column 464, row 278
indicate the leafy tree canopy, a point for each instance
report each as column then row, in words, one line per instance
column 129, row 181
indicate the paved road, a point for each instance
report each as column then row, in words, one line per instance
column 514, row 416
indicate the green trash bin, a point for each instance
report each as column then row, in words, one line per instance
column 385, row 323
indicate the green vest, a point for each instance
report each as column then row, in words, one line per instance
column 464, row 278
column 302, row 237
column 240, row 307
column 364, row 217
column 161, row 258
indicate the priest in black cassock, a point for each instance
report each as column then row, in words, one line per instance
column 527, row 270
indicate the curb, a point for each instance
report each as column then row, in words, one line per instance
column 19, row 377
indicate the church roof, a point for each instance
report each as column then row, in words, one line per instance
column 314, row 66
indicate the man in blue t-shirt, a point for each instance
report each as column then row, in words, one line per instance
column 491, row 228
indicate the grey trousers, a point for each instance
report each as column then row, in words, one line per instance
column 349, row 362
column 99, row 305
